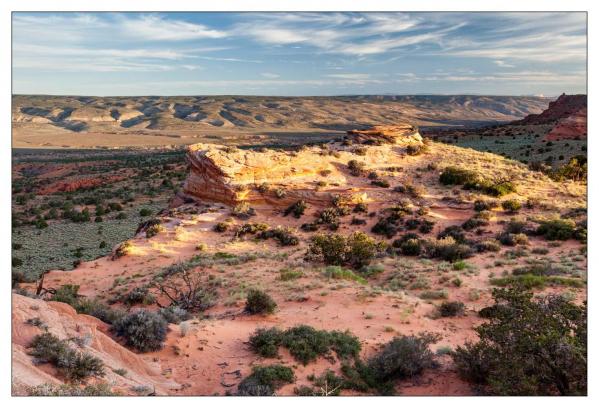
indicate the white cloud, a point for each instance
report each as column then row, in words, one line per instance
column 270, row 75
column 349, row 76
column 153, row 27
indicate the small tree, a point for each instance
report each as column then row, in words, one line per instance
column 529, row 346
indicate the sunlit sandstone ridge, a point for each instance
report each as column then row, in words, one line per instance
column 230, row 175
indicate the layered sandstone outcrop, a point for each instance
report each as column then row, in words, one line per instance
column 229, row 175
column 398, row 134
column 63, row 321
column 571, row 127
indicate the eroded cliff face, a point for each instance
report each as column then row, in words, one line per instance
column 229, row 175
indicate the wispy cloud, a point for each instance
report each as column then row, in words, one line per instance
column 269, row 75
column 153, row 27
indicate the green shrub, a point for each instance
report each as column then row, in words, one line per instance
column 511, row 206
column 284, row 236
column 265, row 380
column 450, row 309
column 289, row 274
column 339, row 272
column 530, row 346
column 16, row 262
column 243, row 211
column 266, row 342
column 142, row 330
column 557, row 229
column 145, row 212
column 251, row 228
column 454, row 231
column 457, row 176
column 174, row 314
column 75, row 366
column 258, row 302
column 297, row 209
column 482, row 205
column 433, row 294
column 357, row 249
column 447, row 249
column 139, row 295
column 512, row 239
column 122, row 250
column 403, row 357
column 305, row 343
column 529, row 281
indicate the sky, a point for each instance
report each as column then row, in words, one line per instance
column 298, row 54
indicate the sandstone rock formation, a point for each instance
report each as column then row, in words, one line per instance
column 399, row 134
column 63, row 321
column 561, row 108
column 230, row 175
column 571, row 127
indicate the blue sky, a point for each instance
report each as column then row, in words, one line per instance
column 298, row 53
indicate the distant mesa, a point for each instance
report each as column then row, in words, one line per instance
column 568, row 114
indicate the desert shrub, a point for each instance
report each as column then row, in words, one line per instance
column 17, row 277
column 474, row 222
column 371, row 270
column 529, row 281
column 403, row 357
column 94, row 307
column 251, row 228
column 139, row 295
column 266, row 342
column 529, row 347
column 142, row 330
column 557, row 229
column 71, row 390
column 515, row 226
column 145, row 212
column 575, row 169
column 221, row 226
column 174, row 314
column 511, row 206
column 75, row 366
column 297, row 209
column 284, row 236
column 509, row 239
column 447, row 249
column 454, row 231
column 66, row 294
column 360, row 208
column 387, row 226
column 153, row 230
column 265, row 380
column 287, row 274
column 360, row 151
column 357, row 249
column 309, row 227
column 433, row 294
column 258, row 302
column 450, row 309
column 338, row 272
column 457, row 176
column 122, row 250
column 491, row 245
column 416, row 149
column 357, row 221
column 16, row 262
column 482, row 205
column 380, row 183
column 304, row 343
column 355, row 167
column 426, row 226
column 498, row 189
column 243, row 211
